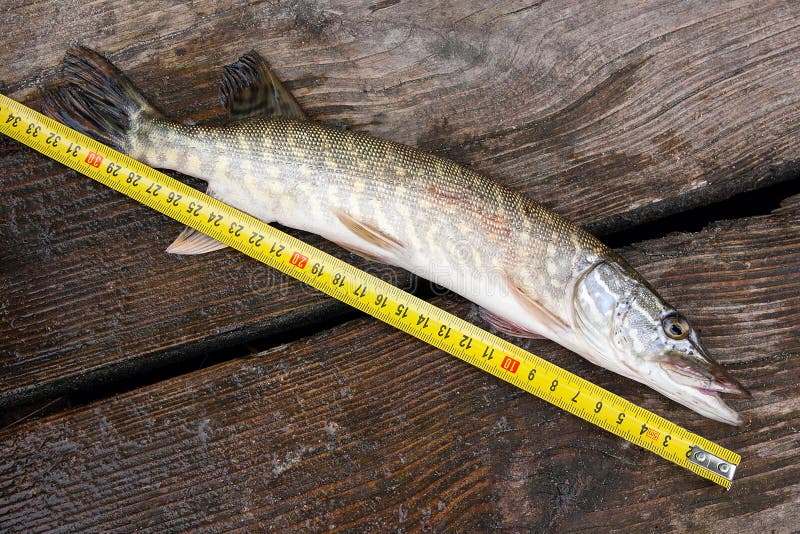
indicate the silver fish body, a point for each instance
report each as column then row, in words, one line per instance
column 533, row 271
column 426, row 214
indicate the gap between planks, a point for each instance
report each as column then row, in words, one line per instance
column 762, row 201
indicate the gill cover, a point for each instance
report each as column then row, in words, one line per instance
column 602, row 298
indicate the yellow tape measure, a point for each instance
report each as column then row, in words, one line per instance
column 367, row 293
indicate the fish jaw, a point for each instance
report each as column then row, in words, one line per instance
column 695, row 368
column 699, row 386
column 704, row 400
column 698, row 381
column 703, row 396
column 661, row 378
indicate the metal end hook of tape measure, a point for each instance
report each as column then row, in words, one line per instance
column 715, row 464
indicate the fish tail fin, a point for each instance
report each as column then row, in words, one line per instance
column 97, row 99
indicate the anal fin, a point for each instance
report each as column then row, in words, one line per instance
column 190, row 241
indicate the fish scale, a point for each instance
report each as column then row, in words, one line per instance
column 372, row 295
column 534, row 272
column 356, row 175
column 454, row 219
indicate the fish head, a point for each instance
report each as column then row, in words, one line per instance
column 630, row 329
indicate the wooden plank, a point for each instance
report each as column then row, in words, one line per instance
column 362, row 428
column 634, row 112
column 89, row 293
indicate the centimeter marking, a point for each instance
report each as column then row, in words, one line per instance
column 366, row 292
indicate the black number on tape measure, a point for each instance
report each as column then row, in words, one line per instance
column 402, row 311
column 380, row 301
column 444, row 331
column 255, row 239
column 194, row 207
column 53, row 139
column 73, row 150
column 690, row 451
column 554, row 384
column 133, row 178
column 466, row 342
column 598, row 406
column 666, row 440
column 173, row 198
column 113, row 170
column 277, row 249
column 216, row 218
column 33, row 129
column 532, row 374
column 422, row 320
column 643, row 429
column 13, row 119
column 153, row 189
column 360, row 291
column 317, row 269
column 235, row 229
column 620, row 418
column 338, row 280
column 575, row 398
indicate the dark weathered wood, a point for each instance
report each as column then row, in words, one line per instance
column 612, row 116
column 89, row 293
column 363, row 428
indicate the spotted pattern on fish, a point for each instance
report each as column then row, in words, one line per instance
column 531, row 269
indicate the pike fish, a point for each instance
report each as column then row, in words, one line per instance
column 533, row 272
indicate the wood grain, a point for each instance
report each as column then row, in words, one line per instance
column 612, row 116
column 364, row 429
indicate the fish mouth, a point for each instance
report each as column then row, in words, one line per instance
column 704, row 375
column 702, row 384
column 704, row 397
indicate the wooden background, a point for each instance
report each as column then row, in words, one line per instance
column 141, row 389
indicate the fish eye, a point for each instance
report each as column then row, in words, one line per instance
column 675, row 326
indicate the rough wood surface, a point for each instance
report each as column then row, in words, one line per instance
column 612, row 115
column 362, row 428
column 88, row 293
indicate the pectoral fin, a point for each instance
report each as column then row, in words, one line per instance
column 539, row 312
column 507, row 327
column 249, row 89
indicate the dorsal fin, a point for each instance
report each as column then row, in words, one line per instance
column 249, row 89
